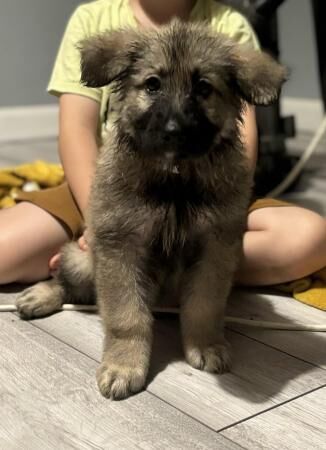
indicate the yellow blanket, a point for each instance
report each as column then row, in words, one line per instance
column 39, row 174
column 310, row 290
column 33, row 176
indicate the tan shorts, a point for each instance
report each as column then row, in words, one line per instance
column 60, row 203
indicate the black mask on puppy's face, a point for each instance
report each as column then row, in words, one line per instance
column 181, row 89
column 171, row 130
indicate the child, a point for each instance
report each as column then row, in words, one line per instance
column 282, row 242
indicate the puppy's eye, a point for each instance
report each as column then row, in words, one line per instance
column 203, row 88
column 153, row 84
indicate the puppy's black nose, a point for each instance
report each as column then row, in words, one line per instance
column 172, row 126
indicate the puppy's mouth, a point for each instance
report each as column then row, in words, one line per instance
column 174, row 150
column 187, row 143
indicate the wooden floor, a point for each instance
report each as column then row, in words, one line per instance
column 273, row 398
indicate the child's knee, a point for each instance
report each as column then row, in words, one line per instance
column 19, row 263
column 9, row 260
column 308, row 231
column 313, row 246
column 303, row 243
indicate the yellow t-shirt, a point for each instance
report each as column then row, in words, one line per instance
column 103, row 15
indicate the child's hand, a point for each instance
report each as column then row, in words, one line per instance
column 82, row 241
column 55, row 260
column 54, row 263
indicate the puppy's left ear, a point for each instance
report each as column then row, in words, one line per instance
column 259, row 77
column 107, row 57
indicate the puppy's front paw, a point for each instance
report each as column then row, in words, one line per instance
column 215, row 358
column 119, row 381
column 40, row 300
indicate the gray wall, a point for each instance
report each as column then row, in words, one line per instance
column 298, row 48
column 30, row 32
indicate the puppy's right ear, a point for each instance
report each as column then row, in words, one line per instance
column 107, row 57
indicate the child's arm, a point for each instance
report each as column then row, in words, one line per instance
column 78, row 120
column 249, row 135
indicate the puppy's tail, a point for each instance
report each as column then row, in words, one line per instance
column 75, row 274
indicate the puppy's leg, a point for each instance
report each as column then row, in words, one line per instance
column 73, row 283
column 124, row 295
column 206, row 286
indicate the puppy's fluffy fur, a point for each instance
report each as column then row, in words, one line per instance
column 170, row 194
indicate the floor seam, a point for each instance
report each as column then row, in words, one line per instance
column 275, row 348
column 272, row 408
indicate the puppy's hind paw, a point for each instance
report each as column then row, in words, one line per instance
column 215, row 358
column 40, row 300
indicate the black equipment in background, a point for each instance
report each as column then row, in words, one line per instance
column 319, row 9
column 273, row 162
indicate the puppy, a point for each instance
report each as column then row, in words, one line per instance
column 170, row 194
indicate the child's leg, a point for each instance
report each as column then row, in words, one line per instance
column 282, row 244
column 29, row 236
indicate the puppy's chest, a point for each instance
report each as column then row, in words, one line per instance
column 180, row 211
column 175, row 193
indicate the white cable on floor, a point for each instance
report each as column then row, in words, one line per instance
column 293, row 174
column 276, row 325
column 228, row 319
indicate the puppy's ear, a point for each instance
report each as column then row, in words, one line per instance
column 258, row 76
column 107, row 57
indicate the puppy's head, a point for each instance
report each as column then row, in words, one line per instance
column 181, row 89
